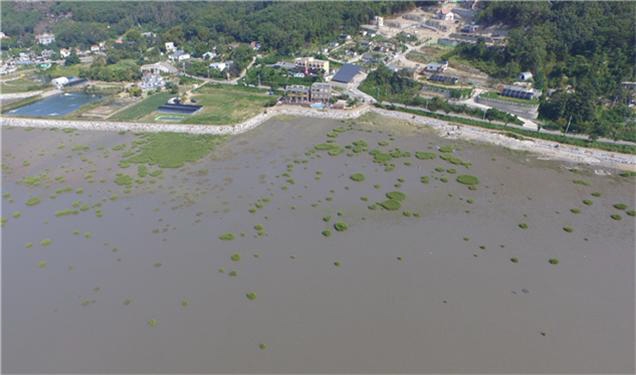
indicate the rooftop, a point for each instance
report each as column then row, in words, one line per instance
column 346, row 73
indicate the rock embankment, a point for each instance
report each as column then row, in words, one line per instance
column 547, row 149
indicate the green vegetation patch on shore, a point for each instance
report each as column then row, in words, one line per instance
column 173, row 150
column 142, row 108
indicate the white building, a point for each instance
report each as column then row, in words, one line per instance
column 45, row 38
column 445, row 14
column 170, row 47
column 220, row 66
column 95, row 48
column 3, row 35
column 59, row 82
column 525, row 76
column 378, row 21
column 65, row 53
column 209, row 55
column 160, row 67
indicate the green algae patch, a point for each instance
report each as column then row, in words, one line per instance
column 620, row 206
column 587, row 202
column 553, row 261
column 425, row 155
column 332, row 149
column 467, row 180
column 152, row 323
column 357, row 177
column 616, row 217
column 454, row 160
column 251, row 296
column 42, row 264
column 390, row 204
column 226, row 236
column 33, row 201
column 581, row 182
column 568, row 229
column 523, row 226
column 235, row 257
column 326, row 233
column 46, row 242
column 340, row 226
column 173, row 150
column 123, row 179
column 396, row 195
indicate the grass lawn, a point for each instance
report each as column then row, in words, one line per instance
column 142, row 108
column 227, row 104
column 66, row 71
column 20, row 85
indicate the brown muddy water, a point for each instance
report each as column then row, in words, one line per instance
column 148, row 286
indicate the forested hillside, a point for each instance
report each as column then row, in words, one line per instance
column 583, row 50
column 285, row 26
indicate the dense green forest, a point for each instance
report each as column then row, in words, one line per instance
column 583, row 50
column 197, row 26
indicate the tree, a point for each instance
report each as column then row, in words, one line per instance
column 71, row 59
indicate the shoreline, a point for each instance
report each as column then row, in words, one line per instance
column 544, row 148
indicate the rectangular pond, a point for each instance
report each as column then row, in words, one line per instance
column 56, row 105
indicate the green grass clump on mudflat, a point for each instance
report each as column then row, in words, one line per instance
column 390, row 204
column 616, row 217
column 620, row 206
column 235, row 257
column 173, row 150
column 123, row 179
column 422, row 155
column 467, row 179
column 33, row 201
column 553, row 261
column 251, row 296
column 631, row 212
column 568, row 229
column 587, row 202
column 340, row 226
column 575, row 210
column 226, row 236
column 454, row 160
column 46, row 242
column 581, row 182
column 396, row 195
column 326, row 233
column 523, row 226
column 446, row 149
column 357, row 177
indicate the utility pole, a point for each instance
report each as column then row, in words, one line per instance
column 568, row 127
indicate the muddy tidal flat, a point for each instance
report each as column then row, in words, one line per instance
column 310, row 245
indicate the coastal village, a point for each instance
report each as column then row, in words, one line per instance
column 415, row 46
column 412, row 43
